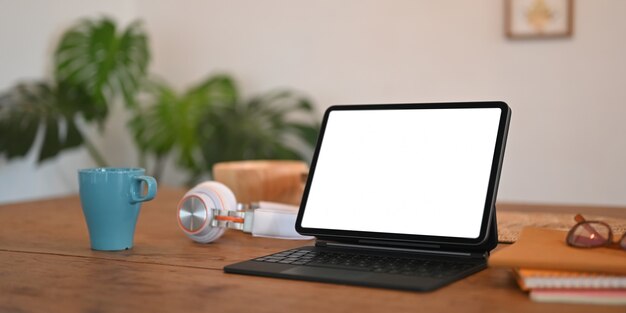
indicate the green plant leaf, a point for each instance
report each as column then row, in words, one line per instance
column 51, row 143
column 153, row 126
column 105, row 64
column 27, row 108
column 218, row 89
column 307, row 132
column 209, row 124
column 266, row 127
column 73, row 136
column 170, row 121
column 93, row 66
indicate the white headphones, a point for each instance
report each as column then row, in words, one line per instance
column 209, row 208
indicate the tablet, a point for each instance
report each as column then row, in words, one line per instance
column 406, row 173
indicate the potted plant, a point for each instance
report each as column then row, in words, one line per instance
column 210, row 123
column 94, row 66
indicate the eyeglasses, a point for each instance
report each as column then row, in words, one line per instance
column 592, row 234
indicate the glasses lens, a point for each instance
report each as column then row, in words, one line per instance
column 590, row 234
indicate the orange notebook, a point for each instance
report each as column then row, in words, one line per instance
column 540, row 248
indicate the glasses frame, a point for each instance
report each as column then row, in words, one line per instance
column 608, row 241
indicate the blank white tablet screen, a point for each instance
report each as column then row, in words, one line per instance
column 404, row 171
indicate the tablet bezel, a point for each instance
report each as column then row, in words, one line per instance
column 488, row 212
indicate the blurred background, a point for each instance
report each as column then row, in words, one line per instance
column 566, row 143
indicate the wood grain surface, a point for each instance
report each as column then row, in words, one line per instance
column 46, row 266
column 263, row 180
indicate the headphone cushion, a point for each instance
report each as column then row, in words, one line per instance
column 226, row 197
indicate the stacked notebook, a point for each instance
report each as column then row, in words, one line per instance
column 551, row 271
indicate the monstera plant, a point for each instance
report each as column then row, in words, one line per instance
column 210, row 123
column 168, row 123
column 95, row 64
column 280, row 124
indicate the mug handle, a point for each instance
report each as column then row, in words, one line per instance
column 136, row 194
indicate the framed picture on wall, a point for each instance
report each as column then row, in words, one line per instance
column 538, row 18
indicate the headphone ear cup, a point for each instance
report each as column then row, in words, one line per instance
column 212, row 195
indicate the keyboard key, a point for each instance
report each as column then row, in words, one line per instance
column 299, row 262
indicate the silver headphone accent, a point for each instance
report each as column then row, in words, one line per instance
column 197, row 210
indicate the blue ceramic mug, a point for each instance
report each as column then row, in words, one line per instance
column 111, row 199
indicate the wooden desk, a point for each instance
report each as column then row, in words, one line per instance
column 46, row 266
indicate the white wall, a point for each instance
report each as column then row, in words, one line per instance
column 566, row 141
